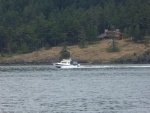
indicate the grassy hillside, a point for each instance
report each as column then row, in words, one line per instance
column 91, row 53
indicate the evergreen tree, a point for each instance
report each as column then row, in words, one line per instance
column 82, row 39
column 64, row 54
column 137, row 34
column 38, row 23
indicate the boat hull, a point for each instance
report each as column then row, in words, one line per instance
column 70, row 66
column 58, row 65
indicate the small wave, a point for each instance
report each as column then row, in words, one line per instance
column 111, row 66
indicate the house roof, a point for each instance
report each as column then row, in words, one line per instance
column 101, row 36
column 109, row 34
column 106, row 35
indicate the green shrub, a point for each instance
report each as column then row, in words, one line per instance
column 82, row 44
column 147, row 41
column 113, row 47
column 64, row 54
column 47, row 47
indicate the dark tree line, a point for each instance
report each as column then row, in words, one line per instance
column 27, row 25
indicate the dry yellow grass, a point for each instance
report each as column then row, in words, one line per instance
column 92, row 52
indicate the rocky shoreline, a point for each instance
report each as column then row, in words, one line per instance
column 29, row 61
column 136, row 58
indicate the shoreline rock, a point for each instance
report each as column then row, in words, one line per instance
column 141, row 58
column 136, row 58
column 30, row 61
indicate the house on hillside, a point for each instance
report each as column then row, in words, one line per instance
column 110, row 35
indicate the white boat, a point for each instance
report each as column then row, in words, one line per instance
column 67, row 63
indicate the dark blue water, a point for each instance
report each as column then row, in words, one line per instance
column 96, row 89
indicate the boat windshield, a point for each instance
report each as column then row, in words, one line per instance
column 73, row 62
column 64, row 62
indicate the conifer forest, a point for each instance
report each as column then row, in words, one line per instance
column 28, row 25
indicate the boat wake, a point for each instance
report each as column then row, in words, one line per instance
column 108, row 66
column 72, row 64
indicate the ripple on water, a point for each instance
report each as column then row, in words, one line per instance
column 105, row 89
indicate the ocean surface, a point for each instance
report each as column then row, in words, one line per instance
column 92, row 89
